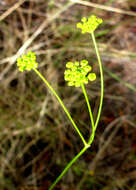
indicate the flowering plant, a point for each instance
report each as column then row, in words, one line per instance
column 76, row 74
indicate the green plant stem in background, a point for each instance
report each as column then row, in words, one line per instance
column 128, row 85
column 102, row 88
column 68, row 166
column 62, row 104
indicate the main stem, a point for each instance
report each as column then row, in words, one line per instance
column 68, row 166
column 102, row 88
column 62, row 104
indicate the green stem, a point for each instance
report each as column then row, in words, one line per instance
column 68, row 166
column 89, row 107
column 62, row 104
column 102, row 88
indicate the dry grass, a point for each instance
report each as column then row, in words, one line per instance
column 37, row 140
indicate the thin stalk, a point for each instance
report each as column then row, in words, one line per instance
column 88, row 104
column 102, row 87
column 68, row 166
column 62, row 105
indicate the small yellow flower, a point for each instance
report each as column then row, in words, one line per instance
column 89, row 25
column 27, row 62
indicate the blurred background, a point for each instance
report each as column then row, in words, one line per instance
column 36, row 138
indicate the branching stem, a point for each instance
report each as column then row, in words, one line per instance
column 62, row 104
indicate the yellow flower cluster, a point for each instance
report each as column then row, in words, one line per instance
column 27, row 62
column 77, row 73
column 89, row 25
